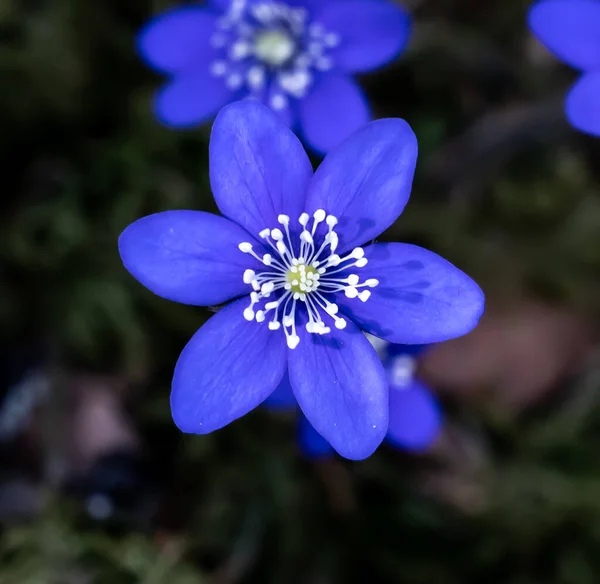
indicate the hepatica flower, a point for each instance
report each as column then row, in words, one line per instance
column 296, row 56
column 288, row 255
column 415, row 416
column 571, row 30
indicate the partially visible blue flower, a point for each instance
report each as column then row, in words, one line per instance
column 287, row 255
column 296, row 56
column 571, row 30
column 415, row 416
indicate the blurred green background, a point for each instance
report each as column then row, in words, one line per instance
column 96, row 483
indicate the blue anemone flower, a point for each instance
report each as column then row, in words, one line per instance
column 415, row 416
column 296, row 56
column 287, row 254
column 571, row 30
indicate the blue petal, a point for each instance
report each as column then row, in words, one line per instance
column 191, row 98
column 258, row 168
column 312, row 444
column 394, row 349
column 341, row 387
column 187, row 256
column 372, row 33
column 570, row 29
column 176, row 40
column 583, row 104
column 415, row 417
column 282, row 398
column 335, row 108
column 366, row 181
column 228, row 368
column 421, row 298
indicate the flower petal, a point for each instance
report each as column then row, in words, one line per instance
column 187, row 256
column 371, row 33
column 177, row 39
column 421, row 298
column 366, row 181
column 191, row 98
column 582, row 105
column 258, row 168
column 312, row 444
column 282, row 398
column 570, row 29
column 227, row 369
column 334, row 109
column 340, row 386
column 415, row 417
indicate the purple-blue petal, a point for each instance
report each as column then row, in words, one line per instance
column 282, row 398
column 341, row 387
column 334, row 109
column 187, row 256
column 372, row 33
column 178, row 39
column 228, row 368
column 366, row 180
column 312, row 444
column 258, row 168
column 191, row 98
column 415, row 417
column 421, row 298
column 582, row 105
column 570, row 29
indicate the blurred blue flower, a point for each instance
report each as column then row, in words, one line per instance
column 415, row 416
column 296, row 56
column 289, row 247
column 571, row 30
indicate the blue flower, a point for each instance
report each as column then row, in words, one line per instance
column 296, row 56
column 415, row 416
column 571, row 30
column 287, row 254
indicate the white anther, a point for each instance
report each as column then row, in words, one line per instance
column 351, row 292
column 331, row 221
column 364, row 295
column 334, row 260
column 267, row 288
column 304, row 219
column 239, row 51
column 283, row 220
column 234, row 81
column 340, row 323
column 306, row 237
column 281, row 248
column 333, row 240
column 264, row 233
column 260, row 316
column 319, row 215
column 249, row 314
column 331, row 39
column 272, row 305
column 352, row 279
column 245, row 247
column 249, row 276
column 361, row 263
column 256, row 77
column 274, row 325
column 288, row 321
column 372, row 282
column 276, row 234
column 357, row 253
column 278, row 101
column 218, row 68
column 292, row 341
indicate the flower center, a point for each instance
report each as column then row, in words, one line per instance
column 304, row 275
column 270, row 51
column 274, row 47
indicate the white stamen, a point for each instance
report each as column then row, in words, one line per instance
column 303, row 273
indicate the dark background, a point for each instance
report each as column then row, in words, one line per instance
column 96, row 483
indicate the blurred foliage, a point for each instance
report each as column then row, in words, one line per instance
column 504, row 189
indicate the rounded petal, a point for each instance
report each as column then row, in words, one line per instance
column 176, row 40
column 415, row 417
column 340, row 386
column 191, row 98
column 395, row 350
column 227, row 369
column 570, row 29
column 366, row 181
column 420, row 299
column 312, row 444
column 332, row 111
column 190, row 257
column 372, row 33
column 258, row 168
column 282, row 398
column 582, row 105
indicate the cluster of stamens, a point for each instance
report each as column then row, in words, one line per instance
column 307, row 275
column 271, row 49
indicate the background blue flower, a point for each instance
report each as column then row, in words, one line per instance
column 284, row 325
column 415, row 414
column 571, row 30
column 296, row 56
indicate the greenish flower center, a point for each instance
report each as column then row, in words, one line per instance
column 302, row 278
column 274, row 47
